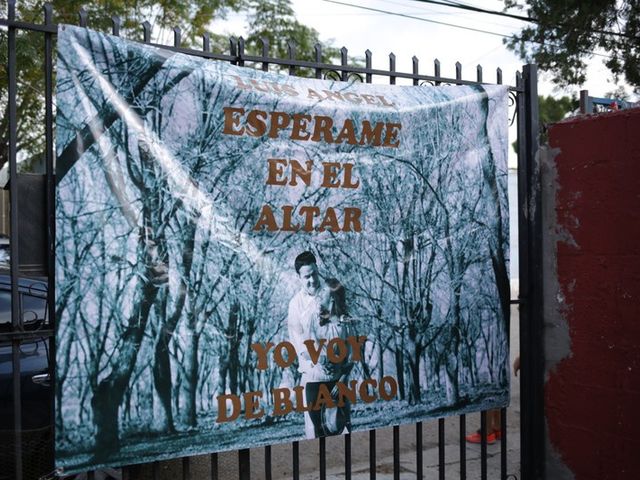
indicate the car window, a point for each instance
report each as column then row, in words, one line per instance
column 33, row 308
column 5, row 308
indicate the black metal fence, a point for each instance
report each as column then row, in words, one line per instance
column 34, row 459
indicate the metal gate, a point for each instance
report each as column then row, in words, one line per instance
column 28, row 453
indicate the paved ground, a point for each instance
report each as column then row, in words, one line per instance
column 309, row 450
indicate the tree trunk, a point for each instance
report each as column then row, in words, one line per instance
column 191, row 373
column 109, row 394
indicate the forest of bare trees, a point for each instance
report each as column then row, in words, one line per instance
column 162, row 284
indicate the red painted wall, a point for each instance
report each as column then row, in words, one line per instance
column 592, row 396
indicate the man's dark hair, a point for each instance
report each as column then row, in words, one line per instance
column 305, row 258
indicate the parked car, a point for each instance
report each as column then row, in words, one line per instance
column 4, row 251
column 35, row 385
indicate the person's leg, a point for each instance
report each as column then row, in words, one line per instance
column 493, row 429
column 312, row 427
column 493, row 421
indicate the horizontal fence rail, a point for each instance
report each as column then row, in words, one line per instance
column 238, row 56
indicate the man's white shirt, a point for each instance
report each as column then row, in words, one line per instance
column 304, row 324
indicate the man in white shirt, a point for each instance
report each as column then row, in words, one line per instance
column 304, row 324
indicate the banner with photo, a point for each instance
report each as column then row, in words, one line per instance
column 246, row 258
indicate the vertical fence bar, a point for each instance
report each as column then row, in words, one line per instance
column 244, row 464
column 323, row 458
column 530, row 235
column 347, row 456
column 233, row 51
column 296, row 460
column 16, row 321
column 344, row 60
column 458, row 71
column 503, row 411
column 214, row 466
column 419, row 463
column 396, row 452
column 415, row 70
column 441, row 464
column 483, row 445
column 241, row 52
column 436, row 70
column 83, row 17
column 372, row 455
column 206, row 43
column 367, row 64
column 291, row 54
column 503, row 444
column 267, row 462
column 392, row 68
column 265, row 53
column 115, row 25
column 50, row 206
column 523, row 250
column 177, row 37
column 585, row 102
column 146, row 32
column 186, row 468
column 479, row 73
column 463, row 447
column 317, row 49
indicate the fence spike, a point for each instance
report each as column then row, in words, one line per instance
column 265, row 53
column 264, row 46
column 458, row 71
column 518, row 79
column 291, row 49
column 291, row 53
column 115, row 25
column 233, row 49
column 146, row 31
column 415, row 62
column 367, row 62
column 83, row 16
column 499, row 76
column 241, row 51
column 479, row 73
column 344, row 60
column 317, row 48
column 177, row 37
column 206, row 43
column 48, row 13
column 392, row 68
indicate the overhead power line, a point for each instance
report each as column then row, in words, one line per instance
column 413, row 17
column 523, row 18
column 428, row 20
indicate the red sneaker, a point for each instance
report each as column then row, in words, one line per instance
column 477, row 438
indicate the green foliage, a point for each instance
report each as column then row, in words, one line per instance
column 569, row 31
column 552, row 110
column 275, row 22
